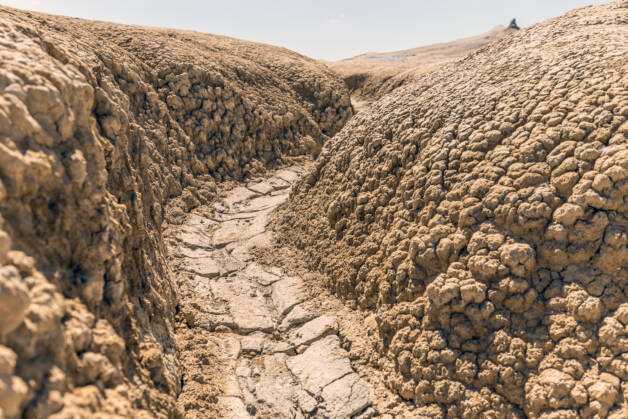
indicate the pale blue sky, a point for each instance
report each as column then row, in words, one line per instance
column 328, row 29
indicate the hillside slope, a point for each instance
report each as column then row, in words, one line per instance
column 480, row 211
column 371, row 75
column 106, row 131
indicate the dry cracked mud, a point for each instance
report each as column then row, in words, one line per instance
column 480, row 212
column 168, row 249
column 106, row 133
column 269, row 354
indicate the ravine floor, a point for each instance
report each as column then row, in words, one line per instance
column 263, row 352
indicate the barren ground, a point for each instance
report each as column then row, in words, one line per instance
column 372, row 75
column 480, row 213
column 197, row 226
column 107, row 134
column 257, row 332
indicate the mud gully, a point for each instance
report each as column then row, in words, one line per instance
column 249, row 337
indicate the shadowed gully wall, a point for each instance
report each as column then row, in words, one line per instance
column 105, row 131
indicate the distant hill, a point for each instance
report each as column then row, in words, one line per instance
column 373, row 74
column 108, row 133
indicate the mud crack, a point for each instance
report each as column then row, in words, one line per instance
column 271, row 356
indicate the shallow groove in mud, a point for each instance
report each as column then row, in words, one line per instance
column 273, row 357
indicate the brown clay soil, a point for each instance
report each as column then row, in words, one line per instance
column 480, row 212
column 256, row 336
column 168, row 248
column 106, row 133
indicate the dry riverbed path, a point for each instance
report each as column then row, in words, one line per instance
column 255, row 350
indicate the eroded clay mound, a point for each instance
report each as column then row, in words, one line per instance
column 481, row 213
column 101, row 127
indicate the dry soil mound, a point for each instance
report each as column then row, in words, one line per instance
column 481, row 212
column 370, row 76
column 101, row 127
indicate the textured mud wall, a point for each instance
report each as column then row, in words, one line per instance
column 105, row 131
column 481, row 213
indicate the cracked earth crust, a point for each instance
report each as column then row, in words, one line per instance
column 251, row 344
column 107, row 134
column 480, row 213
